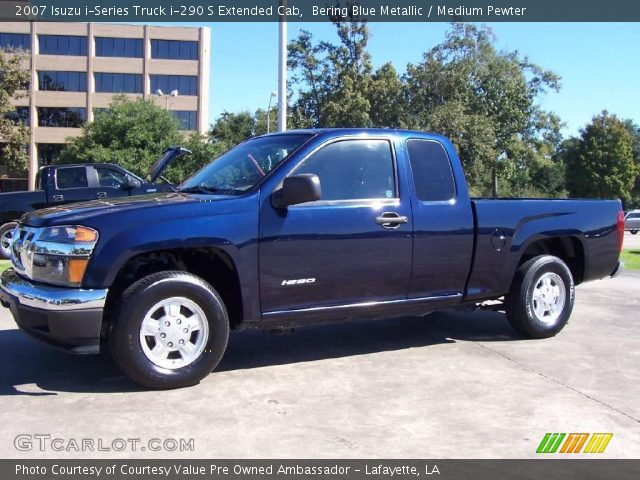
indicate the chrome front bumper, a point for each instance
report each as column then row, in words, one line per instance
column 47, row 297
column 69, row 318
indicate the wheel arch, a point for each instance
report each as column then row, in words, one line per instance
column 212, row 264
column 570, row 249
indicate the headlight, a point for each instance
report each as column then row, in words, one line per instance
column 69, row 234
column 57, row 255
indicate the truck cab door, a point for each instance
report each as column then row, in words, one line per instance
column 70, row 184
column 112, row 181
column 443, row 226
column 351, row 246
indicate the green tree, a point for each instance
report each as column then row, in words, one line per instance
column 203, row 151
column 386, row 97
column 232, row 128
column 485, row 101
column 600, row 161
column 331, row 82
column 130, row 133
column 14, row 134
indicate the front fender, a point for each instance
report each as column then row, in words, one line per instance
column 229, row 226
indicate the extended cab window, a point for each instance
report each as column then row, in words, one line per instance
column 72, row 177
column 353, row 169
column 431, row 169
column 110, row 178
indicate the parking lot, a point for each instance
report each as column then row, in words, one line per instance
column 450, row 385
column 632, row 242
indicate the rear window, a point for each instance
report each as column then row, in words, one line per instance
column 431, row 169
column 72, row 177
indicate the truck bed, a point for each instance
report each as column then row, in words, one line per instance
column 505, row 229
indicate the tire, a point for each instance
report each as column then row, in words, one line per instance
column 5, row 239
column 170, row 304
column 633, row 232
column 541, row 297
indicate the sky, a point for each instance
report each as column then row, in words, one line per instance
column 599, row 63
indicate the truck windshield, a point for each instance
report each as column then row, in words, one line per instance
column 242, row 167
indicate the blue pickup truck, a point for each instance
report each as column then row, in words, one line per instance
column 291, row 229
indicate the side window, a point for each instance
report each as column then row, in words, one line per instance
column 72, row 177
column 353, row 169
column 431, row 169
column 110, row 178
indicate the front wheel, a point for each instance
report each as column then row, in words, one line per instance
column 541, row 297
column 633, row 232
column 6, row 238
column 170, row 331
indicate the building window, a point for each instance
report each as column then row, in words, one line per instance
column 184, row 84
column 19, row 115
column 62, row 45
column 68, row 117
column 119, row 47
column 15, row 41
column 174, row 49
column 118, row 82
column 62, row 81
column 187, row 119
column 49, row 153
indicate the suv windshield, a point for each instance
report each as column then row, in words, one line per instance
column 242, row 167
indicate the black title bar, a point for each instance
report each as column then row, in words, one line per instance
column 320, row 469
column 322, row 10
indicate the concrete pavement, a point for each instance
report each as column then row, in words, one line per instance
column 450, row 385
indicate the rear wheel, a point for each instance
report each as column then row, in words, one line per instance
column 171, row 330
column 540, row 301
column 633, row 232
column 6, row 238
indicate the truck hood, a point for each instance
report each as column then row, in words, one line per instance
column 76, row 213
column 169, row 155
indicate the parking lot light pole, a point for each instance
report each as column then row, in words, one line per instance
column 273, row 94
column 160, row 93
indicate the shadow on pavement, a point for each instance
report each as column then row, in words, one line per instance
column 25, row 362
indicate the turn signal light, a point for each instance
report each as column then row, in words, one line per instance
column 84, row 234
column 77, row 266
column 620, row 230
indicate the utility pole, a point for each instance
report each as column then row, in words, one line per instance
column 282, row 70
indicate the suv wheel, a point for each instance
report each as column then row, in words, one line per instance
column 170, row 331
column 541, row 297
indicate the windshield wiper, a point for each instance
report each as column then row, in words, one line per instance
column 198, row 189
column 204, row 189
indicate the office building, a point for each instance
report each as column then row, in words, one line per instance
column 77, row 68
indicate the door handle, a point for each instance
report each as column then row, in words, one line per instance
column 391, row 220
column 101, row 194
column 58, row 198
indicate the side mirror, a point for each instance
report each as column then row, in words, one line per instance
column 131, row 183
column 297, row 189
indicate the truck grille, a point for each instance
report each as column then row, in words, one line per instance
column 22, row 238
